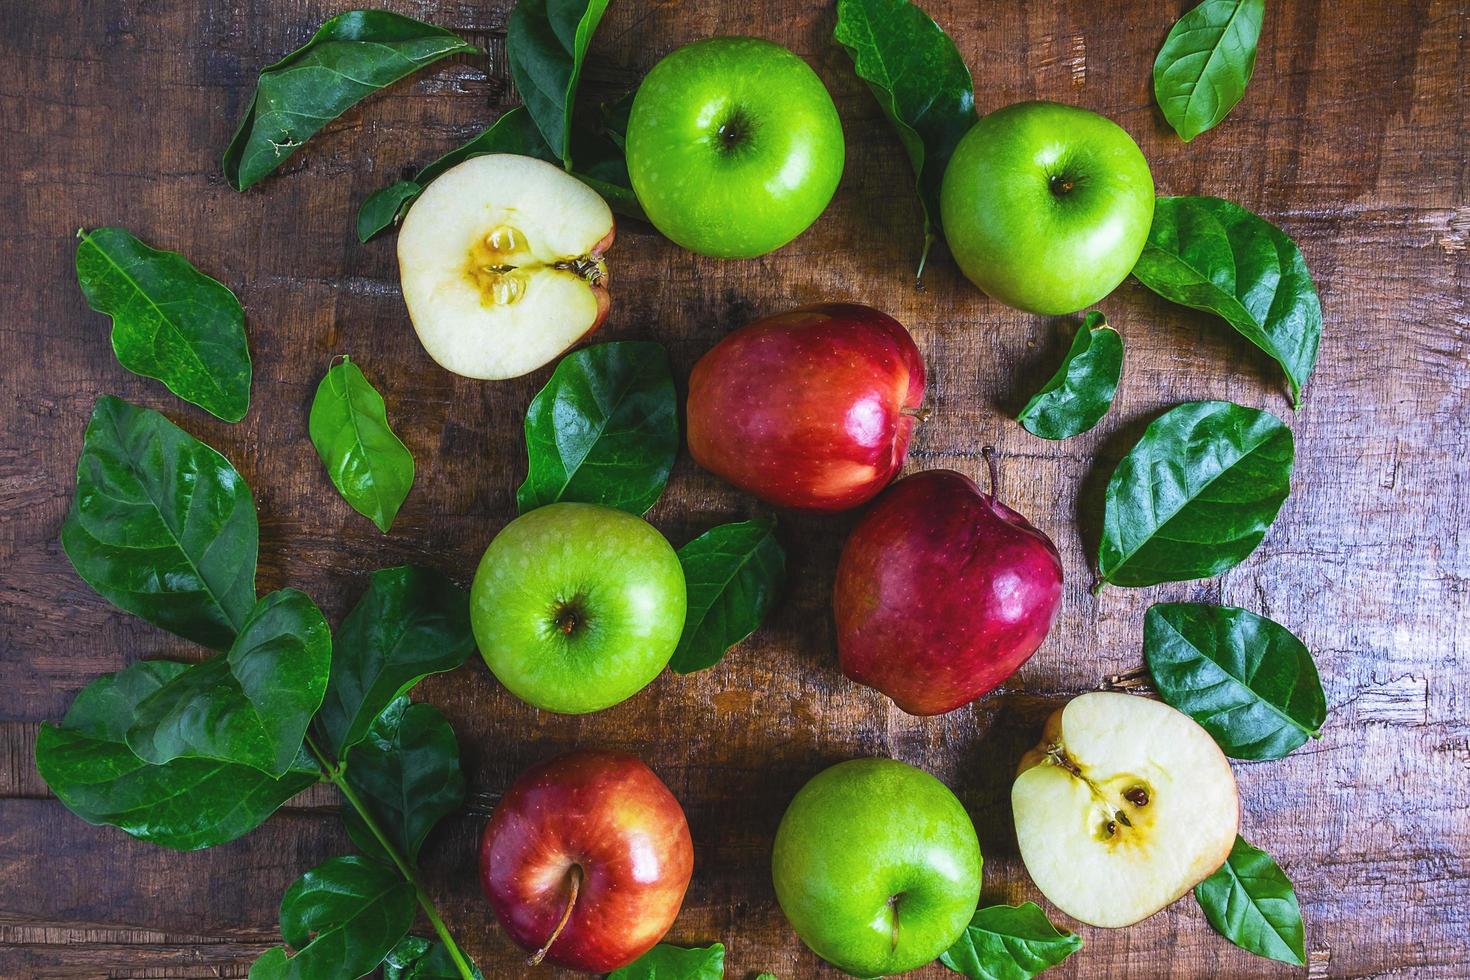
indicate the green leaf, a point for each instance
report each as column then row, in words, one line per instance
column 1206, row 61
column 1247, row 680
column 602, row 163
column 665, row 962
column 369, row 465
column 1196, row 495
column 604, row 430
column 411, row 622
column 1009, row 942
column 351, row 56
column 417, row 958
column 162, row 525
column 918, row 77
column 1081, row 392
column 514, row 132
column 1216, row 256
column 734, row 573
column 170, row 321
column 249, row 706
column 186, row 804
column 343, row 917
column 546, row 42
column 407, row 772
column 1250, row 902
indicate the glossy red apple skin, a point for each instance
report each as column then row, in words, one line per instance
column 811, row 409
column 607, row 814
column 942, row 592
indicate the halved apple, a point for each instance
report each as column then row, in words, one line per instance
column 1124, row 806
column 501, row 262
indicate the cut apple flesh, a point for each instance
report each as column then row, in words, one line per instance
column 501, row 262
column 1124, row 806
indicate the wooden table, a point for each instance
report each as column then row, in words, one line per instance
column 1352, row 137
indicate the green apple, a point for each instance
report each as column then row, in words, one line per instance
column 576, row 607
column 734, row 147
column 877, row 867
column 1046, row 207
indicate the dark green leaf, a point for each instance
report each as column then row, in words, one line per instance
column 369, row 465
column 734, row 573
column 187, row 804
column 1009, row 942
column 1081, row 392
column 916, row 73
column 513, row 132
column 410, row 623
column 407, row 773
column 342, row 917
column 1247, row 680
column 1205, row 63
column 249, row 706
column 170, row 321
column 546, row 42
column 1196, row 495
column 665, row 962
column 417, row 958
column 1216, row 256
column 601, row 162
column 351, row 56
column 604, row 430
column 1250, row 902
column 162, row 525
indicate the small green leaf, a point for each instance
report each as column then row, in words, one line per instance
column 187, row 804
column 162, row 525
column 546, row 42
column 350, row 57
column 368, row 464
column 917, row 75
column 1009, row 942
column 734, row 574
column 410, row 623
column 342, row 917
column 1206, row 62
column 170, row 321
column 1216, row 256
column 416, row 958
column 604, row 430
column 514, row 132
column 407, row 773
column 665, row 962
column 1081, row 392
column 1196, row 495
column 1250, row 902
column 249, row 706
column 1247, row 680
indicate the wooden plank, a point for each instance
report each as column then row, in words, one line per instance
column 1352, row 136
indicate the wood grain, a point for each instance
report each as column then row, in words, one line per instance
column 1352, row 136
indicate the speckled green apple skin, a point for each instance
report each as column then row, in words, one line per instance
column 1013, row 230
column 621, row 578
column 745, row 199
column 856, row 836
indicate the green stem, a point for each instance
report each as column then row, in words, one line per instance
column 335, row 774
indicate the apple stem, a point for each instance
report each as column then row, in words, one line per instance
column 566, row 915
column 920, row 414
column 989, row 453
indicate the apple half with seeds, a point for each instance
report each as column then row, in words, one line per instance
column 1124, row 806
column 502, row 267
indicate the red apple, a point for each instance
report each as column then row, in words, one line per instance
column 586, row 859
column 810, row 409
column 942, row 592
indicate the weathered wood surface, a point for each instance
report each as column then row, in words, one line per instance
column 1352, row 136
